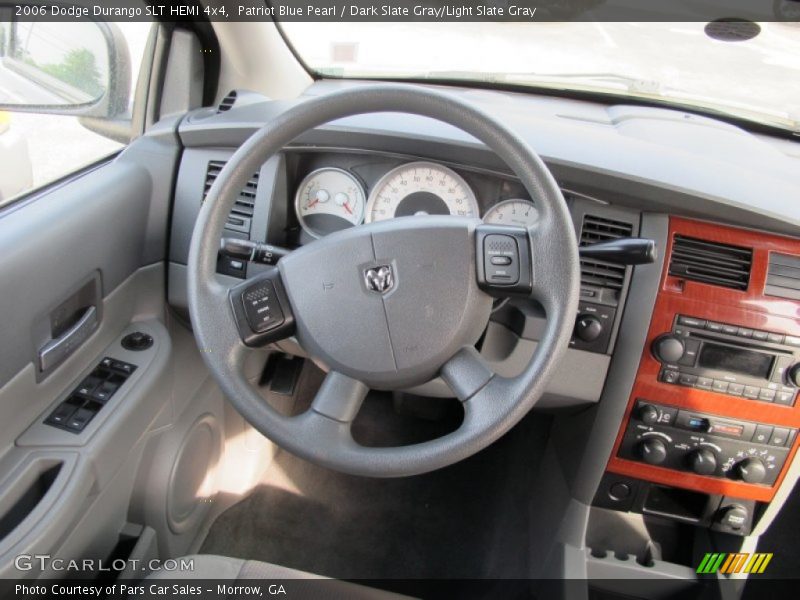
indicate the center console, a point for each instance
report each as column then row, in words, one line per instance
column 711, row 425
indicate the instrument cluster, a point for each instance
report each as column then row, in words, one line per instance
column 332, row 198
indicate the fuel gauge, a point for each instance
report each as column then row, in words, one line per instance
column 328, row 200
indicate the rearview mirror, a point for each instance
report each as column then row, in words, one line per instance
column 75, row 68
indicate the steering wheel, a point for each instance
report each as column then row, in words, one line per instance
column 391, row 304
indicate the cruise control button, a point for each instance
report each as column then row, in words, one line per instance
column 261, row 307
column 500, row 260
column 505, row 272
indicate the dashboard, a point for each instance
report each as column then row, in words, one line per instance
column 688, row 369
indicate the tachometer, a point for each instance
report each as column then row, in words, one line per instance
column 521, row 213
column 328, row 200
column 420, row 188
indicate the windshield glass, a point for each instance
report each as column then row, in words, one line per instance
column 756, row 79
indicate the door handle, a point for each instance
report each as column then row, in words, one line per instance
column 57, row 349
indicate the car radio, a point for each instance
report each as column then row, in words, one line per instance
column 728, row 359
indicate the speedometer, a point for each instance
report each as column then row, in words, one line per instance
column 420, row 188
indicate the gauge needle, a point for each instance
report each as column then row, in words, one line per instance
column 311, row 204
column 347, row 207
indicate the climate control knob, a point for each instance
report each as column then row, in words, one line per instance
column 702, row 461
column 648, row 414
column 653, row 451
column 793, row 374
column 588, row 328
column 668, row 348
column 751, row 470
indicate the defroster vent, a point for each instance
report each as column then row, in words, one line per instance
column 713, row 263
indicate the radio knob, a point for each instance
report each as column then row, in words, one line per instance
column 793, row 374
column 648, row 414
column 588, row 328
column 668, row 348
column 751, row 470
column 653, row 451
column 703, row 461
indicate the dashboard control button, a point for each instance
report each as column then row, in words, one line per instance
column 736, row 389
column 785, row 396
column 687, row 380
column 763, row 434
column 745, row 332
column 702, row 461
column 720, row 386
column 730, row 329
column 691, row 322
column 668, row 348
column 775, row 338
column 648, row 414
column 652, row 451
column 782, row 364
column 793, row 374
column 714, row 326
column 670, row 376
column 779, row 436
column 734, row 517
column 761, row 336
column 588, row 328
column 751, row 392
column 792, row 340
column 691, row 348
column 751, row 470
column 619, row 491
column 767, row 395
column 704, row 383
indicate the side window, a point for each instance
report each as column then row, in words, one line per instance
column 88, row 70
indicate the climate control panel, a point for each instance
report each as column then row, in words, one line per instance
column 704, row 444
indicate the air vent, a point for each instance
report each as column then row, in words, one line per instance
column 242, row 211
column 227, row 102
column 596, row 272
column 783, row 276
column 711, row 262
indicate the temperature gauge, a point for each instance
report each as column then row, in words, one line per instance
column 328, row 200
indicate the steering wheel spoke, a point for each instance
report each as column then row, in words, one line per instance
column 466, row 374
column 261, row 309
column 340, row 397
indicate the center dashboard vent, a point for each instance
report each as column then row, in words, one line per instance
column 242, row 212
column 227, row 102
column 713, row 263
column 599, row 273
column 783, row 276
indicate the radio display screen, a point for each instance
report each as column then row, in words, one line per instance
column 737, row 360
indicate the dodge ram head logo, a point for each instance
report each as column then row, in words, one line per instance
column 379, row 279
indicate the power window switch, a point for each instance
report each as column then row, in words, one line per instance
column 88, row 385
column 80, row 419
column 104, row 391
column 61, row 415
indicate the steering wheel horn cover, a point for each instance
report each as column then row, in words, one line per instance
column 425, row 323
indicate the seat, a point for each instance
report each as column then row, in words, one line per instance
column 210, row 566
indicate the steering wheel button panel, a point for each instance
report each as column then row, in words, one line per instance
column 262, row 307
column 503, row 254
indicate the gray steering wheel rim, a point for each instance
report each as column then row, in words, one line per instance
column 493, row 404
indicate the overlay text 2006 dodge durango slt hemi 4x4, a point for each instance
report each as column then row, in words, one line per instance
column 400, row 299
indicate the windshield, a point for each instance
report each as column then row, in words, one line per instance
column 756, row 79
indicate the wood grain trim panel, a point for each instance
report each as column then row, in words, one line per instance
column 749, row 308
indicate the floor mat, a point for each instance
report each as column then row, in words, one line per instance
column 470, row 520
